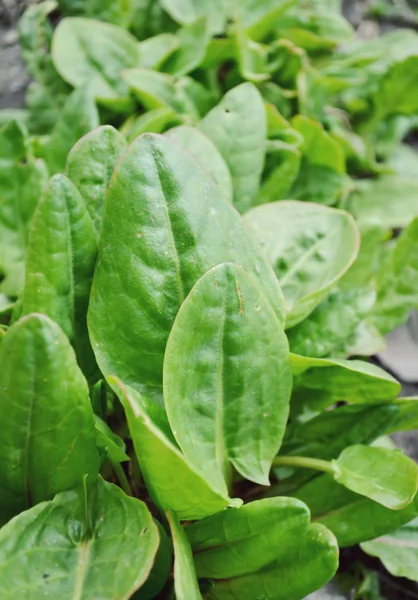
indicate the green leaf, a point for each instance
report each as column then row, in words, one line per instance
column 184, row 228
column 118, row 12
column 85, row 50
column 244, row 540
column 299, row 240
column 102, row 546
column 156, row 90
column 353, row 381
column 172, row 482
column 160, row 570
column 385, row 476
column 111, row 443
column 21, row 182
column 322, row 174
column 60, row 263
column 188, row 11
column 79, row 116
column 237, row 126
column 398, row 550
column 194, row 40
column 351, row 517
column 260, row 18
column 154, row 51
column 206, row 154
column 390, row 202
column 397, row 282
column 48, row 441
column 35, row 32
column 408, row 415
column 185, row 581
column 251, row 57
column 331, row 327
column 242, row 388
column 307, row 565
column 90, row 165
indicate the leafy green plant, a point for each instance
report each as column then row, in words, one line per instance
column 197, row 251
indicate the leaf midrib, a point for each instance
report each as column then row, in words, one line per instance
column 82, row 568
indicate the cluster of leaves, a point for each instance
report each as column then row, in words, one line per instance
column 197, row 245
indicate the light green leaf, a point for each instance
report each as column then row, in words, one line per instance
column 79, row 116
column 390, row 202
column 242, row 388
column 154, row 51
column 404, row 160
column 408, row 415
column 206, row 154
column 244, row 540
column 354, row 381
column 60, row 263
column 48, row 441
column 237, row 126
column 187, row 11
column 21, row 183
column 260, row 18
column 398, row 550
column 251, row 57
column 85, row 50
column 35, row 32
column 194, row 40
column 307, row 565
column 99, row 546
column 155, row 90
column 283, row 162
column 118, row 12
column 299, row 239
column 397, row 281
column 331, row 328
column 185, row 581
column 172, row 482
column 111, row 443
column 366, row 340
column 90, row 165
column 150, row 259
column 152, row 121
column 385, row 476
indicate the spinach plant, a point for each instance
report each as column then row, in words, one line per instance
column 197, row 249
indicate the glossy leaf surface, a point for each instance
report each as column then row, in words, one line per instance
column 185, row 581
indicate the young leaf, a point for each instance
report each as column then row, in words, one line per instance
column 79, row 116
column 237, row 126
column 90, row 165
column 299, row 239
column 238, row 378
column 154, row 51
column 188, row 11
column 386, row 476
column 206, row 154
column 353, row 381
column 194, row 39
column 60, row 263
column 102, row 546
column 153, row 121
column 172, row 482
column 398, row 550
column 308, row 563
column 155, row 90
column 185, row 581
column 112, row 444
column 21, row 183
column 244, row 540
column 85, row 50
column 149, row 259
column 48, row 441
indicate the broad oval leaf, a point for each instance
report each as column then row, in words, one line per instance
column 21, row 183
column 386, row 476
column 48, row 439
column 206, row 154
column 172, row 482
column 309, row 563
column 227, row 378
column 85, row 50
column 60, row 264
column 99, row 546
column 90, row 165
column 300, row 240
column 79, row 115
column 354, row 381
column 398, row 550
column 244, row 540
column 238, row 128
column 185, row 580
column 165, row 224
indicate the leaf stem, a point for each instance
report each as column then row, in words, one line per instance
column 123, row 480
column 303, row 462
